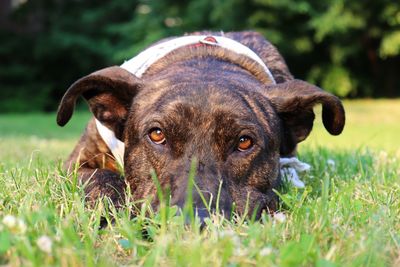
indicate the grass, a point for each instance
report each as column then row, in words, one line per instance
column 348, row 214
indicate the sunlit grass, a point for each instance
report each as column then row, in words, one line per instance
column 373, row 124
column 348, row 214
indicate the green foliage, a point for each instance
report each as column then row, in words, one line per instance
column 336, row 44
column 352, row 48
column 58, row 42
column 337, row 80
column 390, row 45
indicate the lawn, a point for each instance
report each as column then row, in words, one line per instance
column 347, row 215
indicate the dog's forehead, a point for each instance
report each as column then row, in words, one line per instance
column 200, row 100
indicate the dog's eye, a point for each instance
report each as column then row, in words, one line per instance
column 157, row 136
column 245, row 143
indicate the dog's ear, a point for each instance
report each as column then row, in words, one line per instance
column 109, row 93
column 294, row 101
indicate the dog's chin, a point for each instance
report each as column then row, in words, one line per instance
column 251, row 211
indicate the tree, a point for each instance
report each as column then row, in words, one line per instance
column 351, row 48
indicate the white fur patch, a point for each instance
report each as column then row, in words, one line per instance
column 116, row 146
column 290, row 169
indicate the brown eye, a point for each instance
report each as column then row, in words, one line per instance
column 245, row 143
column 157, row 136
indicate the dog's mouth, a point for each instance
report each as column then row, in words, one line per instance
column 203, row 209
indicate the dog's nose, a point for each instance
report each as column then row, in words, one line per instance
column 202, row 214
column 200, row 167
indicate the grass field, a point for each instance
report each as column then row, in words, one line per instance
column 348, row 214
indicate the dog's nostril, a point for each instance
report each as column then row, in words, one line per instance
column 200, row 166
column 202, row 214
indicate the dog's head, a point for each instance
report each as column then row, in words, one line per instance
column 233, row 127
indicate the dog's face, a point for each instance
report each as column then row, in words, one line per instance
column 234, row 129
column 234, row 138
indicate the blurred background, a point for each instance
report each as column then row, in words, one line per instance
column 350, row 48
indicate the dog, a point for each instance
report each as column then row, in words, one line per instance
column 225, row 101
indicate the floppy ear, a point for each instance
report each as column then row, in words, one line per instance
column 109, row 93
column 294, row 101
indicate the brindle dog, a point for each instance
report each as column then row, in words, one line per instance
column 198, row 101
